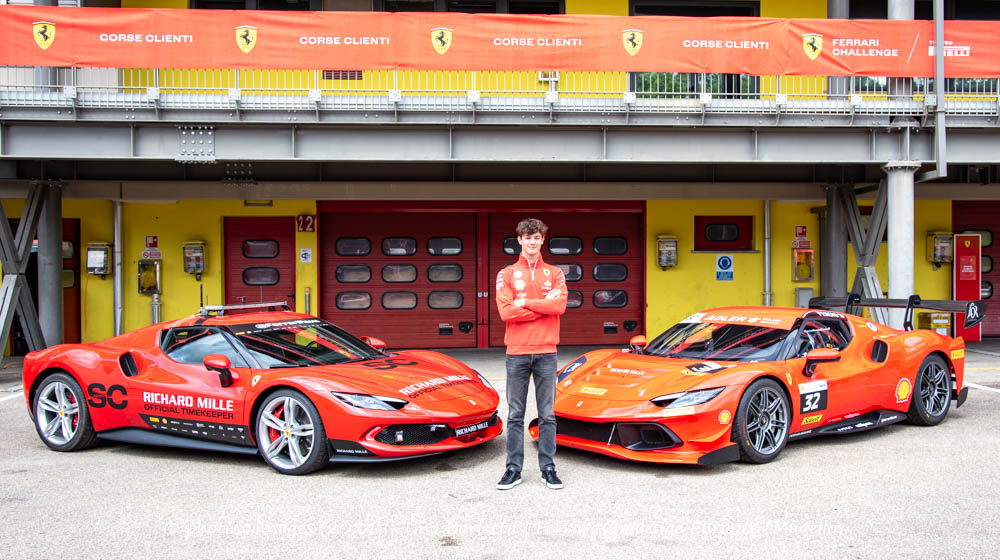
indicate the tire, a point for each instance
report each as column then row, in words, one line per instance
column 762, row 422
column 62, row 418
column 290, row 433
column 931, row 393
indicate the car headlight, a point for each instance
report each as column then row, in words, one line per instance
column 575, row 365
column 689, row 398
column 371, row 401
column 485, row 381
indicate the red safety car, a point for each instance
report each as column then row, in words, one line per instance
column 737, row 383
column 294, row 388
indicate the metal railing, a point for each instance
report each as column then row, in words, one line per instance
column 353, row 90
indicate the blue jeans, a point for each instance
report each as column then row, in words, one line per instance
column 520, row 369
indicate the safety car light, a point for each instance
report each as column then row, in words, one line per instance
column 371, row 401
column 689, row 398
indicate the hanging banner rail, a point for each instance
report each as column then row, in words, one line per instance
column 247, row 39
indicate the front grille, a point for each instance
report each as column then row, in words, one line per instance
column 420, row 434
column 638, row 436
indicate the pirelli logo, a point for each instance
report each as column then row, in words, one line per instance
column 957, row 354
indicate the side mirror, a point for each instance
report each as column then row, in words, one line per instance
column 819, row 356
column 376, row 343
column 221, row 364
column 637, row 342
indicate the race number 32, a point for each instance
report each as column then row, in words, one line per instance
column 812, row 396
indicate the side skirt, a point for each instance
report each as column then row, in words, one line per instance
column 865, row 422
column 147, row 437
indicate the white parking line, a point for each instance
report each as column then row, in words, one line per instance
column 983, row 387
column 11, row 397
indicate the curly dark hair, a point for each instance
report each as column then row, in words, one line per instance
column 531, row 226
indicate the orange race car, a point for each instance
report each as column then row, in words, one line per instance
column 736, row 383
column 294, row 388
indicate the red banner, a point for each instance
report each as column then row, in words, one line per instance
column 155, row 38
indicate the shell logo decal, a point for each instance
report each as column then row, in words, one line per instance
column 725, row 416
column 903, row 389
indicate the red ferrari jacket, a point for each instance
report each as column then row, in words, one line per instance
column 533, row 328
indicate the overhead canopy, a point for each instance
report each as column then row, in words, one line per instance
column 246, row 39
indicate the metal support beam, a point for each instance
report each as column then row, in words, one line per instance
column 833, row 250
column 50, row 290
column 15, row 249
column 119, row 279
column 866, row 242
column 900, row 216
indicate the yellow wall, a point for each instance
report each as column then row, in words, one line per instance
column 793, row 8
column 96, row 295
column 177, row 222
column 598, row 7
column 691, row 286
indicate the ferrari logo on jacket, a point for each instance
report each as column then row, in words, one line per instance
column 441, row 39
column 246, row 38
column 632, row 40
column 812, row 44
column 44, row 33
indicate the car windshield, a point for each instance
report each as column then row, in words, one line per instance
column 301, row 342
column 718, row 341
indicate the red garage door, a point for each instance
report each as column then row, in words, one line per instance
column 983, row 217
column 601, row 256
column 260, row 260
column 408, row 278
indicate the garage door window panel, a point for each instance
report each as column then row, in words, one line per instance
column 511, row 246
column 445, row 273
column 565, row 246
column 610, row 298
column 572, row 272
column 444, row 246
column 261, row 248
column 574, row 299
column 399, row 246
column 353, row 273
column 610, row 245
column 261, row 276
column 985, row 236
column 353, row 246
column 444, row 299
column 399, row 300
column 396, row 273
column 610, row 272
column 353, row 301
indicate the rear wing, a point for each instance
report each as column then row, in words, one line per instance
column 975, row 311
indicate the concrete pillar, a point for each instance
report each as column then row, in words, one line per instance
column 900, row 226
column 50, row 264
column 838, row 85
column 833, row 249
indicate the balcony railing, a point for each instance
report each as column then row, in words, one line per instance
column 416, row 91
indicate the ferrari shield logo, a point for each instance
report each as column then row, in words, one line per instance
column 441, row 39
column 246, row 38
column 632, row 39
column 44, row 33
column 812, row 44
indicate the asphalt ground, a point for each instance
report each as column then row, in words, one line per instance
column 899, row 491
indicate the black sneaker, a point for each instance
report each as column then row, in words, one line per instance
column 510, row 479
column 551, row 480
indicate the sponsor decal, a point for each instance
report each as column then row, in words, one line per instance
column 579, row 404
column 788, row 377
column 682, row 411
column 44, row 33
column 113, row 396
column 903, row 389
column 957, row 354
column 430, row 385
column 812, row 419
column 703, row 368
column 518, row 274
column 860, row 425
column 851, row 415
column 344, row 40
column 852, row 46
column 592, row 391
column 871, row 326
column 627, row 371
column 441, row 39
column 229, row 433
column 889, row 419
column 390, row 363
column 800, row 434
column 696, row 318
column 519, row 284
column 845, row 429
column 187, row 405
column 470, row 429
column 632, row 41
column 821, row 313
column 724, row 417
column 812, row 396
column 254, row 381
column 767, row 321
column 246, row 38
column 642, row 393
column 545, row 271
column 812, row 45
column 547, row 284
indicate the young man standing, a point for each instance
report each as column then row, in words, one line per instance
column 531, row 296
